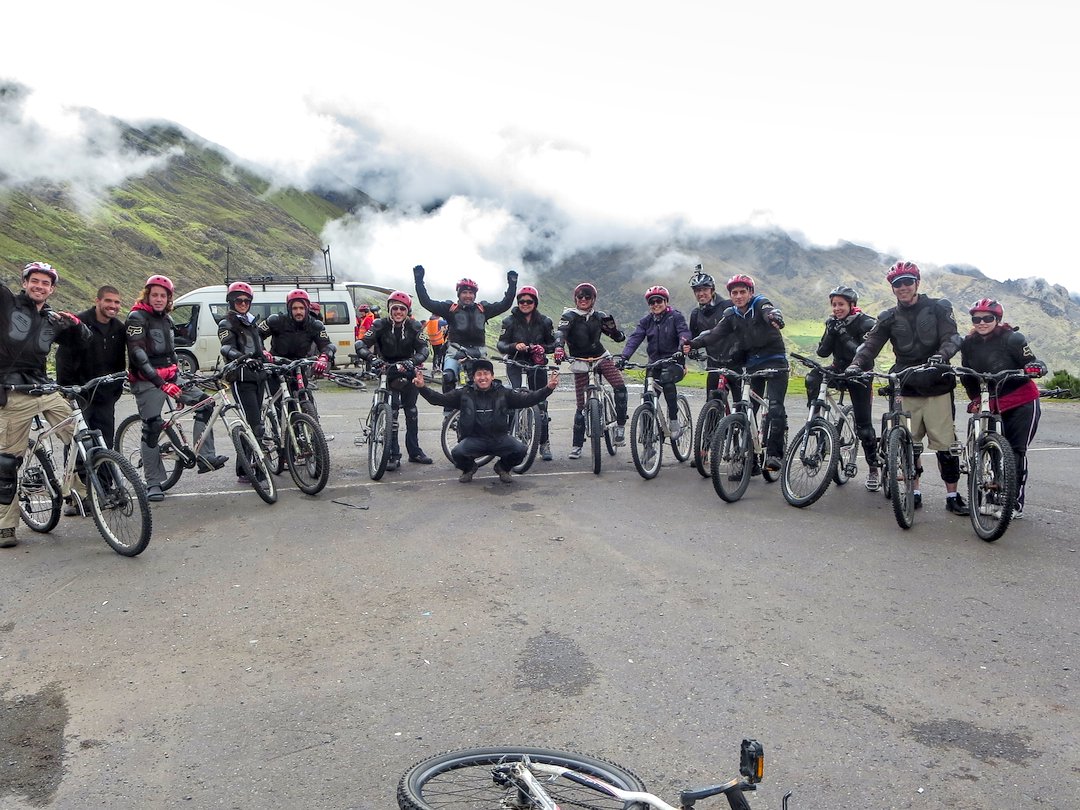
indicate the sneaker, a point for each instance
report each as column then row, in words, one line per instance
column 957, row 506
column 545, row 451
column 1018, row 512
column 873, row 479
column 773, row 464
column 71, row 509
column 620, row 435
column 393, row 463
column 154, row 493
column 7, row 538
column 467, row 475
column 503, row 473
column 918, row 500
column 674, row 430
column 575, row 452
column 421, row 458
column 210, row 463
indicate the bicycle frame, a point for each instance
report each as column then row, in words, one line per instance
column 750, row 403
column 597, row 388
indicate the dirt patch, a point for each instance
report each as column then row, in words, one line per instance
column 32, row 744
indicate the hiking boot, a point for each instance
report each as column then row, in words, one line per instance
column 421, row 458
column 154, row 493
column 503, row 473
column 210, row 463
column 773, row 464
column 545, row 451
column 393, row 463
column 873, row 479
column 575, row 452
column 957, row 506
column 620, row 435
column 7, row 538
column 467, row 475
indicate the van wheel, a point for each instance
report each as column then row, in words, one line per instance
column 186, row 363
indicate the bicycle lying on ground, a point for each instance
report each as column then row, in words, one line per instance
column 293, row 436
column 545, row 779
column 177, row 454
column 600, row 420
column 649, row 428
column 115, row 494
column 738, row 445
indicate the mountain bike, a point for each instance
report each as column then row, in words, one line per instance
column 717, row 406
column 600, row 419
column 178, row 454
column 825, row 448
column 545, row 779
column 377, row 432
column 649, row 428
column 738, row 445
column 988, row 460
column 115, row 494
column 293, row 437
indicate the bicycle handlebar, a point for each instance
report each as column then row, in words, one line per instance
column 52, row 387
column 674, row 358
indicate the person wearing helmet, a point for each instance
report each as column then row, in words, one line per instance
column 755, row 323
column 921, row 330
column 293, row 334
column 707, row 314
column 485, row 405
column 665, row 332
column 578, row 335
column 527, row 337
column 844, row 331
column 28, row 328
column 152, row 373
column 992, row 346
column 399, row 344
column 242, row 339
column 465, row 318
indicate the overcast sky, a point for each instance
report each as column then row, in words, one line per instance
column 944, row 132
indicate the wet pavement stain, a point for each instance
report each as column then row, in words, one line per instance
column 980, row 743
column 554, row 663
column 32, row 744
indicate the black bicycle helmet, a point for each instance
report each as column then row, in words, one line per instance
column 701, row 279
column 845, row 292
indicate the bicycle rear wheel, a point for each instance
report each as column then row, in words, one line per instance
column 118, row 503
column 731, row 457
column 129, row 445
column 464, row 780
column 307, row 454
column 609, row 426
column 901, row 473
column 526, row 429
column 992, row 487
column 808, row 463
column 595, row 420
column 253, row 463
column 646, row 441
column 39, row 496
column 379, row 440
column 708, row 419
column 684, row 445
column 273, row 442
column 848, row 459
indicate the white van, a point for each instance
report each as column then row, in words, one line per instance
column 196, row 315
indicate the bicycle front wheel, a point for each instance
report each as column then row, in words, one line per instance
column 901, row 473
column 118, row 503
column 708, row 419
column 39, row 497
column 307, row 454
column 683, row 446
column 992, row 487
column 808, row 463
column 465, row 780
column 129, row 444
column 526, row 430
column 609, row 426
column 253, row 463
column 594, row 417
column 847, row 463
column 379, row 440
column 646, row 442
column 731, row 457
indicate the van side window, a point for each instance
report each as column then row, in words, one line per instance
column 334, row 312
column 185, row 324
column 219, row 311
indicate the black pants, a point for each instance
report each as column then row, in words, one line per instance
column 249, row 395
column 509, row 451
column 774, row 390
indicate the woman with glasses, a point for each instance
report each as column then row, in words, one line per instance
column 241, row 338
column 527, row 337
column 578, row 335
column 665, row 332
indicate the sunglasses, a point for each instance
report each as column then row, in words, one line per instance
column 903, row 282
column 983, row 318
column 241, row 300
column 399, row 309
column 523, row 301
column 657, row 300
column 583, row 297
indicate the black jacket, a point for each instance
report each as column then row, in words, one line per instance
column 843, row 336
column 536, row 331
column 241, row 339
column 756, row 336
column 465, row 324
column 394, row 343
column 293, row 339
column 579, row 333
column 1003, row 349
column 104, row 353
column 149, row 344
column 485, row 413
column 27, row 335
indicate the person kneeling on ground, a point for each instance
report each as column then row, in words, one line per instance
column 484, row 424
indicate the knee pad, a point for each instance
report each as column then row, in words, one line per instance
column 949, row 466
column 621, row 398
column 151, row 431
column 866, row 435
column 9, row 477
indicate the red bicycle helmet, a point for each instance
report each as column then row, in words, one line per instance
column 526, row 290
column 903, row 270
column 987, row 305
column 585, row 286
column 238, row 288
column 652, row 292
column 739, row 280
column 399, row 297
column 297, row 295
column 161, row 281
column 41, row 267
column 467, row 284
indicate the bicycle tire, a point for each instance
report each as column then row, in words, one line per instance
column 117, row 501
column 646, row 442
column 307, row 454
column 711, row 414
column 609, row 426
column 731, row 457
column 594, row 416
column 462, row 780
column 379, row 440
column 848, row 458
column 39, row 496
column 307, row 407
column 527, row 431
column 273, row 442
column 253, row 463
column 683, row 447
column 809, row 463
column 901, row 472
column 992, row 487
column 128, row 443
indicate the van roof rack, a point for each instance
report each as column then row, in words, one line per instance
column 325, row 280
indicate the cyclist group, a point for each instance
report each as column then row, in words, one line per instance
column 743, row 330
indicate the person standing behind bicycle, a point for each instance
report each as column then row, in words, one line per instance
column 994, row 346
column 665, row 331
column 921, row 330
column 527, row 337
column 152, row 373
column 292, row 335
column 28, row 328
column 705, row 316
column 578, row 335
column 465, row 318
column 435, row 329
column 844, row 332
column 399, row 342
column 241, row 339
column 755, row 323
